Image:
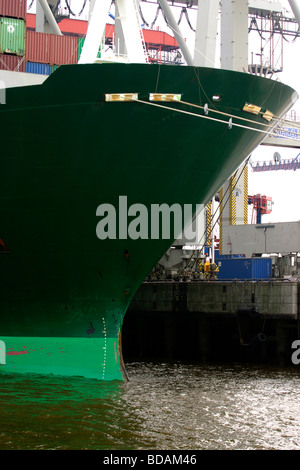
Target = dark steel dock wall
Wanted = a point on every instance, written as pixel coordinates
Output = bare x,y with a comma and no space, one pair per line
213,321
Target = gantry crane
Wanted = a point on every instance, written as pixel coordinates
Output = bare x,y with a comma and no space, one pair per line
276,164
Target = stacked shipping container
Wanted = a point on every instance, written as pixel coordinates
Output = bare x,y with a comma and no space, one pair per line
23,49
51,49
244,268
12,35
35,67
12,63
30,51
38,47
13,8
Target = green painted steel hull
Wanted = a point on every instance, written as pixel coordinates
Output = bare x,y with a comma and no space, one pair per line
64,292
93,357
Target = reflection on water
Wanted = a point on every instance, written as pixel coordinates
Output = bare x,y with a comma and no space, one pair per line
163,406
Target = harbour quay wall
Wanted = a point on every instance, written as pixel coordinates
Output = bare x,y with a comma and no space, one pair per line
253,321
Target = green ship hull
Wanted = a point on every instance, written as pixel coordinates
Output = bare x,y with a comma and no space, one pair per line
65,150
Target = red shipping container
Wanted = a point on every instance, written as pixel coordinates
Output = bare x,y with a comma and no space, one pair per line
63,50
38,47
51,49
12,63
13,8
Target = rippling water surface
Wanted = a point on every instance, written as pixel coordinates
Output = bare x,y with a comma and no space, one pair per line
163,406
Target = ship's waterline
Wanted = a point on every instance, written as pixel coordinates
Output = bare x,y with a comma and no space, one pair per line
94,357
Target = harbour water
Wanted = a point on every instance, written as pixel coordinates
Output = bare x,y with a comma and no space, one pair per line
164,406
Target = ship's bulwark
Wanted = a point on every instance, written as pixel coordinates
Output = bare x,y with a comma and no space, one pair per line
64,292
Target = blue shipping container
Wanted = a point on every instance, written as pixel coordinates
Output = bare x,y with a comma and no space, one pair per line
35,67
245,268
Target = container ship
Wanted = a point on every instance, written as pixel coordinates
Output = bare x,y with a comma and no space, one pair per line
89,135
